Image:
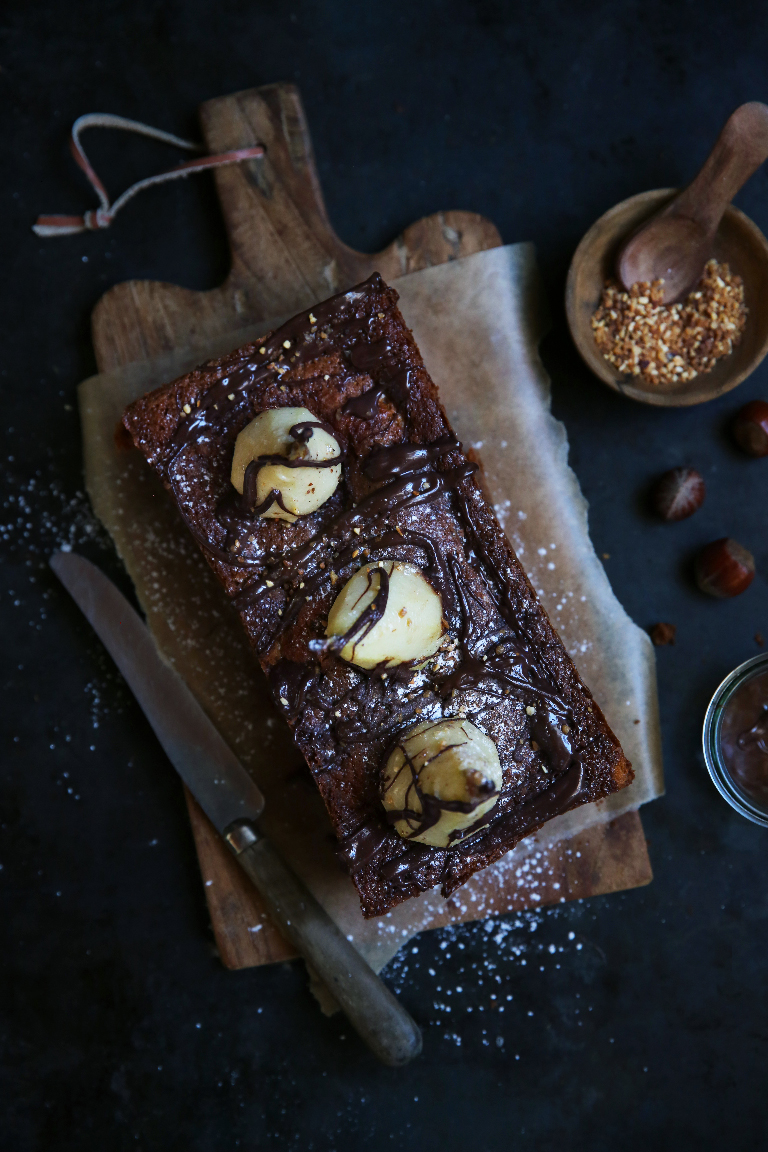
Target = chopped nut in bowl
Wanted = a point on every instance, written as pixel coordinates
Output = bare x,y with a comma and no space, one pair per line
667,344
670,355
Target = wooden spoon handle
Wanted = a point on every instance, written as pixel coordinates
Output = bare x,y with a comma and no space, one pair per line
740,149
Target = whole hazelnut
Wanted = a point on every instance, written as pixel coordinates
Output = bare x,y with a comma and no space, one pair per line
410,628
723,568
300,485
678,493
750,428
439,780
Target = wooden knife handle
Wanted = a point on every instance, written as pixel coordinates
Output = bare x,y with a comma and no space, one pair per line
372,1009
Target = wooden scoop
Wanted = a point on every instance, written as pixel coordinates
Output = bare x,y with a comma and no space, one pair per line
675,245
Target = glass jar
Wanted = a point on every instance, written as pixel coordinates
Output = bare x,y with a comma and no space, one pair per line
747,802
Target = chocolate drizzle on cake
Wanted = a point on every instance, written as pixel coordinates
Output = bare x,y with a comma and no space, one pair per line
365,406
389,506
406,475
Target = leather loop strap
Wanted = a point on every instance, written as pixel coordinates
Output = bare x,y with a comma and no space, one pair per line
103,216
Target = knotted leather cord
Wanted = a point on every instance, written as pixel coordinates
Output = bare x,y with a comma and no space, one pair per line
103,216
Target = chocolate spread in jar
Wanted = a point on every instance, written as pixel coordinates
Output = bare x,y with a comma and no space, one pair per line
744,738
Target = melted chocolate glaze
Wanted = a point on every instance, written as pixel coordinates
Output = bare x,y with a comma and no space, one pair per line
744,737
384,509
367,356
407,474
564,793
365,406
405,459
404,492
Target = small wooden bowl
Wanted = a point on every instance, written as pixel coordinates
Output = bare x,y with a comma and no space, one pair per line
739,243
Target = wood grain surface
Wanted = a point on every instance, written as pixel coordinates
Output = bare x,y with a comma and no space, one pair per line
286,257
738,242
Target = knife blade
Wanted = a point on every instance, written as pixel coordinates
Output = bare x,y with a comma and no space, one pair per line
194,746
233,803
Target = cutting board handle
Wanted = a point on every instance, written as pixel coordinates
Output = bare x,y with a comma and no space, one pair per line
273,207
285,254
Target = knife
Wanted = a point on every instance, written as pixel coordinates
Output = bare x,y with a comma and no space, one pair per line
233,803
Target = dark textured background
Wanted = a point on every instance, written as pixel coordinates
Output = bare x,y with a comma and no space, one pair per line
635,1021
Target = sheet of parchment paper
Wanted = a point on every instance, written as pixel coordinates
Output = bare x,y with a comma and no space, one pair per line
478,322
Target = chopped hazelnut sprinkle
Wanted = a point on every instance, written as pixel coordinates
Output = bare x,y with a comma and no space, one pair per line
671,343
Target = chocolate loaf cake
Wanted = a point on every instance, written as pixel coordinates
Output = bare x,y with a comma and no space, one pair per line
436,707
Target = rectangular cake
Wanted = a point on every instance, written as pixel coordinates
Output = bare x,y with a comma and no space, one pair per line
433,701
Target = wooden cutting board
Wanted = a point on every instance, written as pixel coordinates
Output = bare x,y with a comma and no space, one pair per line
286,257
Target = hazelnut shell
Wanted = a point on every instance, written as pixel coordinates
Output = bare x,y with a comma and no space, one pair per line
663,634
678,493
724,568
750,428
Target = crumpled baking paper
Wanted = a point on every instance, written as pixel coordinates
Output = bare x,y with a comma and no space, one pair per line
478,322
